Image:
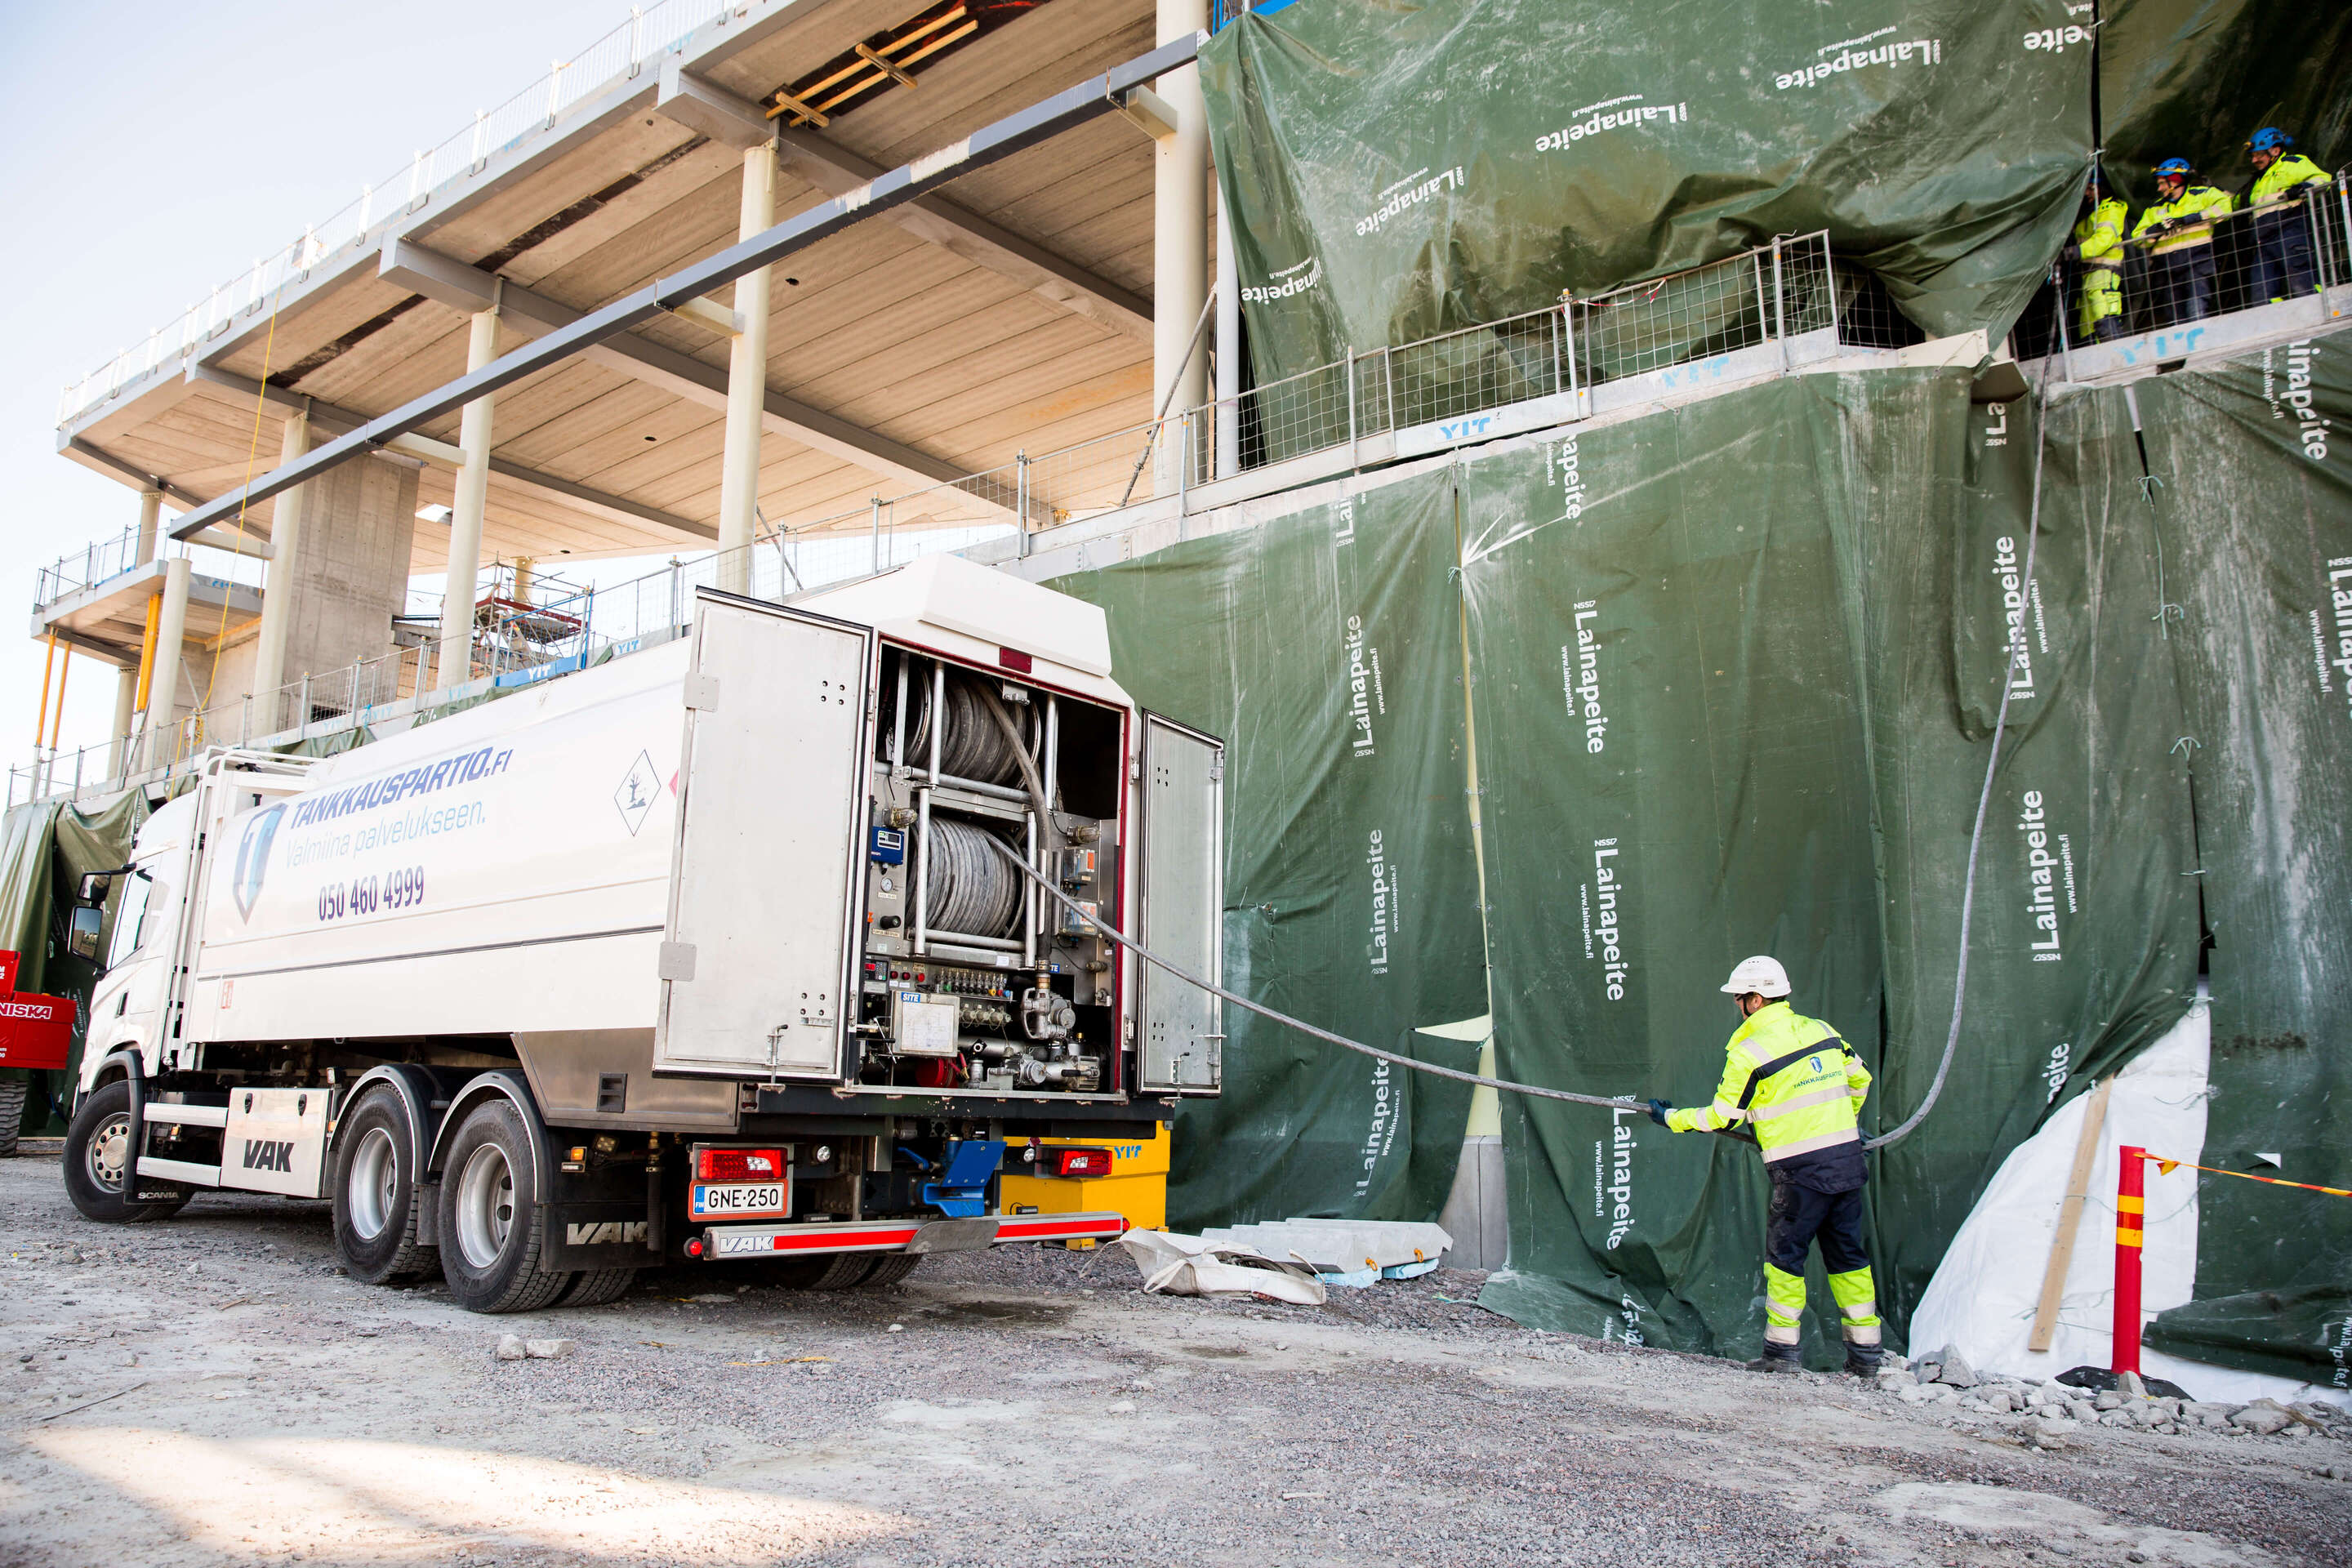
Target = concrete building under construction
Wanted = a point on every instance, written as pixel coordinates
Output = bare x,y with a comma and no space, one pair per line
1623,515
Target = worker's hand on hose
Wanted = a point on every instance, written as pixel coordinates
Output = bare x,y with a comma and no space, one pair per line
1658,1109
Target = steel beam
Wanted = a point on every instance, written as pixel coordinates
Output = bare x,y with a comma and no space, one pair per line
92,456
328,417
1017,132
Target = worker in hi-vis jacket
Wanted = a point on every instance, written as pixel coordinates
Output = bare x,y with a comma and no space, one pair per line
1792,1079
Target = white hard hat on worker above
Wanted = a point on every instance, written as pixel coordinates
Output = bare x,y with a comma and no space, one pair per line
1760,975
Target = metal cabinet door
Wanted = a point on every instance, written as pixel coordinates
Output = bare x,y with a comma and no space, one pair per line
771,799
1182,913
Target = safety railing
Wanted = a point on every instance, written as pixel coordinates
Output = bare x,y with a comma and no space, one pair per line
2200,269
527,634
87,567
1789,289
627,51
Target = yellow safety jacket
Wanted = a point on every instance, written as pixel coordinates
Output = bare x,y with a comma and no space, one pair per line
2279,181
2195,203
1791,1079
2099,237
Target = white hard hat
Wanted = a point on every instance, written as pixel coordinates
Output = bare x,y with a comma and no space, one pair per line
1762,975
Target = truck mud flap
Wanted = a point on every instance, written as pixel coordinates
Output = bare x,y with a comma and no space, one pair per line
606,1234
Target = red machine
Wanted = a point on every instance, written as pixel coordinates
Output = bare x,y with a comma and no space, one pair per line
35,1031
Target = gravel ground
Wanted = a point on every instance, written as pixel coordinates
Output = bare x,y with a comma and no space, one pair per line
209,1390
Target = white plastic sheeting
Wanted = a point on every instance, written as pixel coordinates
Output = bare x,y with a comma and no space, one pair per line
1984,1294
1173,1264
1341,1245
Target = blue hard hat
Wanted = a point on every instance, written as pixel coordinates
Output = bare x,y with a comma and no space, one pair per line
2270,139
2173,166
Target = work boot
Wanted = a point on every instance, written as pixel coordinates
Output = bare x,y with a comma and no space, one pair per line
1863,1361
1778,1358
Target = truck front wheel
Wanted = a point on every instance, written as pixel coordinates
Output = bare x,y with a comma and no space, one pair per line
98,1153
493,1237
375,1195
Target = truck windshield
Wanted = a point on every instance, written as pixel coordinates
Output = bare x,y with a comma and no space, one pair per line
129,918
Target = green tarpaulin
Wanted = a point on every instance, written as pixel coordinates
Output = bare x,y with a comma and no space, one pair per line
1326,650
2255,502
1397,168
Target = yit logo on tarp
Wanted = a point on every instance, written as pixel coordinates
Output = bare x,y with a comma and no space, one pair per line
253,857
1595,117
1406,192
1296,278
1855,54
268,1155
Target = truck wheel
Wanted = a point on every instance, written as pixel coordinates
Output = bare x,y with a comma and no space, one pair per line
891,1267
595,1287
375,1195
826,1272
492,1231
98,1146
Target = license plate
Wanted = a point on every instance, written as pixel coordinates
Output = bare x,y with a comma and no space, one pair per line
739,1200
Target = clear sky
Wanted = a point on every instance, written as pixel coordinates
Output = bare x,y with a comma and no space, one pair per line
155,150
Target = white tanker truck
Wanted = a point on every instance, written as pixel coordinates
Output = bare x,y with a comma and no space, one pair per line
714,951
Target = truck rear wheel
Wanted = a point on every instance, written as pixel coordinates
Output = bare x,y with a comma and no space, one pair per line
375,1195
595,1287
891,1267
493,1235
98,1150
826,1272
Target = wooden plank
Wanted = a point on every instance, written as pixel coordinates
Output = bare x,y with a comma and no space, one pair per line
2070,1216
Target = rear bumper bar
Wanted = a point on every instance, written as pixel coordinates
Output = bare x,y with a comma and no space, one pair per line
721,1241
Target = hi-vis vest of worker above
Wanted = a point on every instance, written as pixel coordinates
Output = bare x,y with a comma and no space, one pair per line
1792,1078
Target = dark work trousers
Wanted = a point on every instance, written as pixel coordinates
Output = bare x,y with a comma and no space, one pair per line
1800,1215
2182,284
2283,266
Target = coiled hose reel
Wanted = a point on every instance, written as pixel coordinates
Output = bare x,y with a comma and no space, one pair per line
970,889
971,745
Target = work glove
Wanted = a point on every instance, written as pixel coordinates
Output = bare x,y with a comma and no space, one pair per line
1658,1109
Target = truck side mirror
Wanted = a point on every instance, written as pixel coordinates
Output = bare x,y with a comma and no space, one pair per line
81,937
94,888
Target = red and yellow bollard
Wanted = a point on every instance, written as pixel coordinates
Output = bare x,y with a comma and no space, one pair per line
2131,1213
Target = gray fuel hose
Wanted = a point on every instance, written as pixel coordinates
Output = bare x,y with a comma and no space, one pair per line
1621,1102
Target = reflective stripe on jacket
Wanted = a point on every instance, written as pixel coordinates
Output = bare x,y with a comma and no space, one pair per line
1788,1076
2099,238
2279,181
2195,202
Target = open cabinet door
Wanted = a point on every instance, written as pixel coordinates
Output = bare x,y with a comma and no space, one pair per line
771,807
1182,919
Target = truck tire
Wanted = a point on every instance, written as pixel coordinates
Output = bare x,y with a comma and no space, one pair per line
891,1267
826,1272
493,1231
96,1145
374,1196
595,1287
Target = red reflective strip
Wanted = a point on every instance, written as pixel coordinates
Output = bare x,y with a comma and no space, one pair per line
838,1241
1031,1230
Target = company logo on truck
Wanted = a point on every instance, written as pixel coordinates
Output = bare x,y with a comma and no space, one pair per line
253,857
603,1232
268,1155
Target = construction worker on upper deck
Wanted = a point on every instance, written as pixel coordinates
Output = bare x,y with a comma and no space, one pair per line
2176,237
2284,186
1792,1078
2097,250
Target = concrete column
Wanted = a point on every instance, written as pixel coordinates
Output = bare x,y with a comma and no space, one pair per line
454,664
126,679
171,647
277,589
1227,418
1180,240
747,383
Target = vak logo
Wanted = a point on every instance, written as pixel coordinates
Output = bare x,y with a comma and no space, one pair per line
268,1155
1296,278
603,1232
1626,114
253,857
1855,54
